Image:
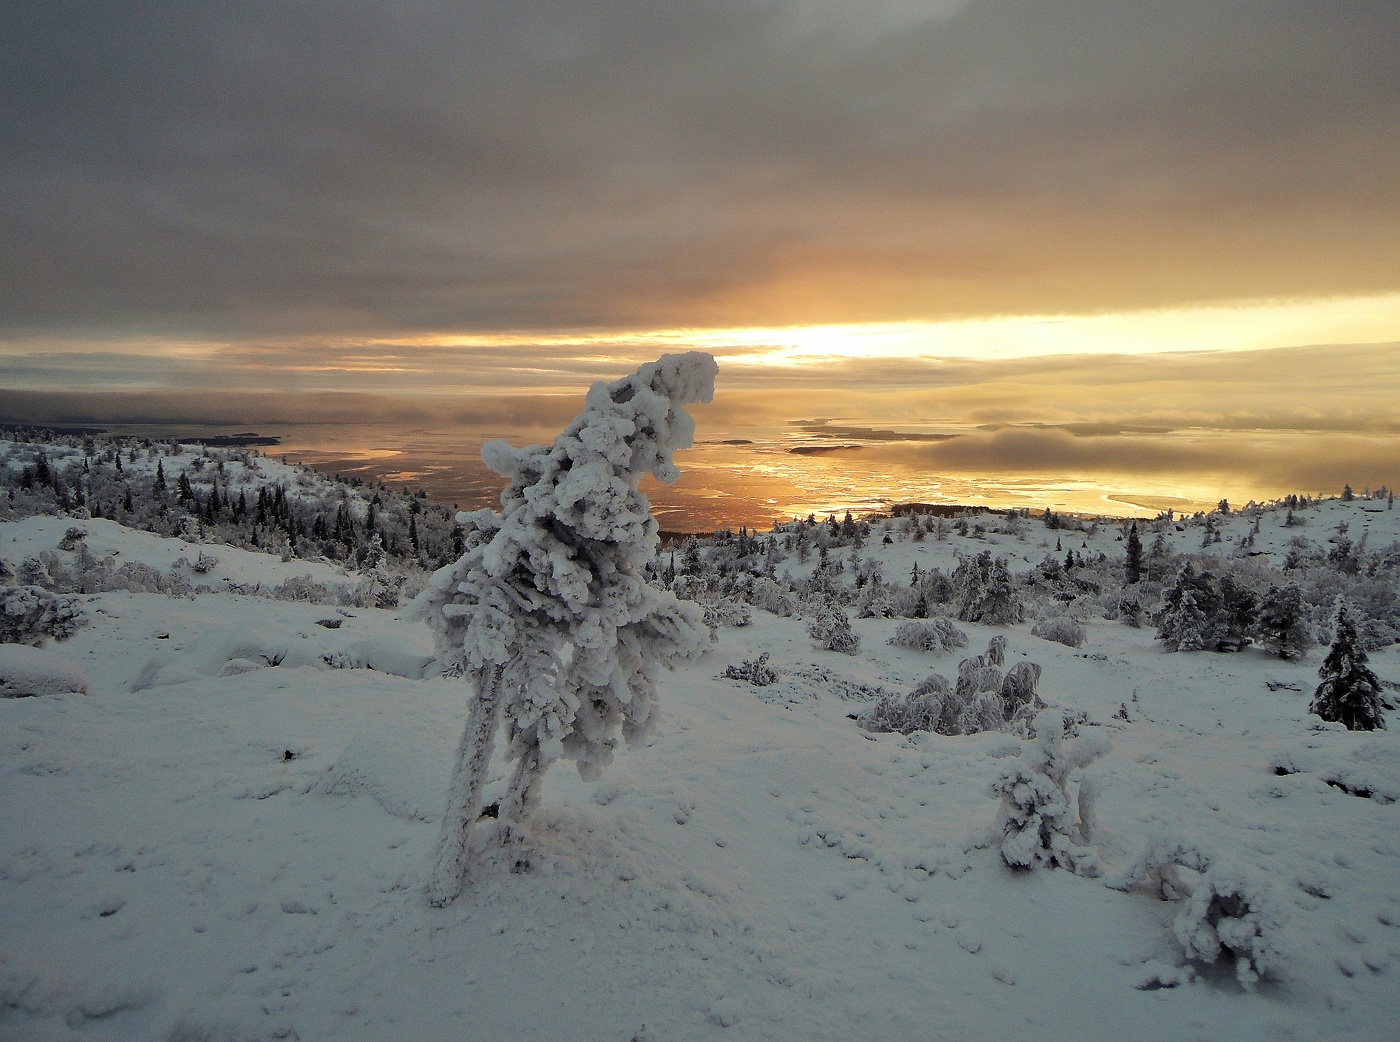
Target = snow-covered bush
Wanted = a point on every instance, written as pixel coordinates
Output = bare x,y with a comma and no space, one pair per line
831,629
548,610
771,597
727,613
984,699
30,614
919,710
1349,693
73,538
1227,909
875,602
937,635
753,671
26,672
1062,629
301,588
1234,913
1047,803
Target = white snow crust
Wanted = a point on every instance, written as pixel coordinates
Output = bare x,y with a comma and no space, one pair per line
228,838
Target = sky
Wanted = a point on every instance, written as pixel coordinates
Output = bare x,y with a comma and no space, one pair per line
954,215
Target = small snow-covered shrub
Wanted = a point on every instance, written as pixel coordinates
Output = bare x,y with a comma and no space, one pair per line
1046,814
771,597
1018,689
301,588
73,538
204,563
727,613
1235,913
1227,909
26,672
919,710
30,614
831,629
984,699
136,577
937,635
1062,629
753,671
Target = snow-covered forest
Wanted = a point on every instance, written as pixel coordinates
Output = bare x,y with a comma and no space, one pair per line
935,775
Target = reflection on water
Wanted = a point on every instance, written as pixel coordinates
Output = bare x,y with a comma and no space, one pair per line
751,476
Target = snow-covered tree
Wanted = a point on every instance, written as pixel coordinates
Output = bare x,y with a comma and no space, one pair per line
548,611
1349,693
832,629
987,593
1047,805
1283,621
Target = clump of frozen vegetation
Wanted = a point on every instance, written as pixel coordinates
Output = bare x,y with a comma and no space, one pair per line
1350,693
1062,629
983,699
549,612
1047,802
727,613
753,671
937,635
31,614
831,629
1234,913
1227,910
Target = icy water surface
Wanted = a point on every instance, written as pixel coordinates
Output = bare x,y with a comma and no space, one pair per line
746,477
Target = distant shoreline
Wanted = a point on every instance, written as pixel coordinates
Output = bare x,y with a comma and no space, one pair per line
217,441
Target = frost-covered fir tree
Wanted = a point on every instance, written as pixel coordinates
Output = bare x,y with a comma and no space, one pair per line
1349,693
548,611
1283,621
987,593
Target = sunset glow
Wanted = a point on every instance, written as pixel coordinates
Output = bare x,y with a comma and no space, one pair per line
1000,253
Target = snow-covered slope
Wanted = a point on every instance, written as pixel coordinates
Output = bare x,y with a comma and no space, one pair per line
228,836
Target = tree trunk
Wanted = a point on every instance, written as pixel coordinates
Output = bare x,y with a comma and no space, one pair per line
522,795
464,795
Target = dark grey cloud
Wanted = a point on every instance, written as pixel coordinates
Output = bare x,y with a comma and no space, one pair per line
280,168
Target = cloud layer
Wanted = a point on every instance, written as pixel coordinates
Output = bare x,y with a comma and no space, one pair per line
266,170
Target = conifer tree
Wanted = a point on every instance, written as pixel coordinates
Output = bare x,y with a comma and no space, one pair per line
1283,621
1349,693
548,611
1133,563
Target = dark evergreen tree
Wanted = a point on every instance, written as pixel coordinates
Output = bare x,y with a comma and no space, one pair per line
1133,563
1283,621
1349,693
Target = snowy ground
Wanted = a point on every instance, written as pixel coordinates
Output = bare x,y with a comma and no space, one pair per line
227,838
